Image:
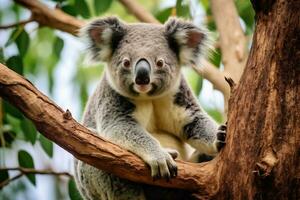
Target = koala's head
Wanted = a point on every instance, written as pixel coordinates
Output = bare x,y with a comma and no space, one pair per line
144,59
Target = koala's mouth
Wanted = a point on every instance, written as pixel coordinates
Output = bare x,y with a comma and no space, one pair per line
142,89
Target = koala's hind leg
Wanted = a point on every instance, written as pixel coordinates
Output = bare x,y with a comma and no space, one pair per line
95,184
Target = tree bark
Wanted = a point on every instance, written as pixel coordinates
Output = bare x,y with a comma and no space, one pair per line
262,156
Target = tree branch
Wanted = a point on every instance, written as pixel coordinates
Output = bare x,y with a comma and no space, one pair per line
59,126
7,181
36,171
20,23
232,38
54,18
232,41
24,171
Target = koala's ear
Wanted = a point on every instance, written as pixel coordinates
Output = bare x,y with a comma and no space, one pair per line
186,40
103,36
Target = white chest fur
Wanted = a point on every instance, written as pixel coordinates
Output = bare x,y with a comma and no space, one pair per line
164,120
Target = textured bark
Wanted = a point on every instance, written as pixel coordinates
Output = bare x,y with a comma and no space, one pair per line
262,156
54,18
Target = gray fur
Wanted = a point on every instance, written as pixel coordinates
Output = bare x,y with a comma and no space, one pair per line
119,108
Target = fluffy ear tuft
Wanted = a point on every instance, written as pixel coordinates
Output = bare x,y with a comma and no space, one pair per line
189,42
103,36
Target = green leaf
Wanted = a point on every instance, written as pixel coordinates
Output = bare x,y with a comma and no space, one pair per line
194,80
215,114
215,57
29,130
163,15
14,123
178,5
247,13
70,9
1,55
9,137
50,71
13,111
59,0
25,160
82,8
47,145
3,175
199,85
22,42
17,11
101,6
211,25
73,192
14,35
182,10
83,94
58,46
205,4
15,63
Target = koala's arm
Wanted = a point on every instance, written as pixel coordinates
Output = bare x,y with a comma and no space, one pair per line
110,114
199,130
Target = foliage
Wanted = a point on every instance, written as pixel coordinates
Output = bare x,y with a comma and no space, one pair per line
38,52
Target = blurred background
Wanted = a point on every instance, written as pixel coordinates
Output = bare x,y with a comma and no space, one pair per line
54,62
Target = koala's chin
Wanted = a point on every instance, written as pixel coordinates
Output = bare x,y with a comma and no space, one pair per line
142,89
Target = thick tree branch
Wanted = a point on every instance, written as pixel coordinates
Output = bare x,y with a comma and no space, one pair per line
59,126
24,171
57,19
54,18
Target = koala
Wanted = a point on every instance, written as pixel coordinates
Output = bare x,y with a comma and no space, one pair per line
144,104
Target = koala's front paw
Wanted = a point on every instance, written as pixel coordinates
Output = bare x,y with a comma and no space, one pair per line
221,137
162,165
174,153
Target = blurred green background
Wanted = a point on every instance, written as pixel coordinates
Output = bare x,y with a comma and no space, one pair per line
54,62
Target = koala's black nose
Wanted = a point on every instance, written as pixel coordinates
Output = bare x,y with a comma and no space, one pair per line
142,72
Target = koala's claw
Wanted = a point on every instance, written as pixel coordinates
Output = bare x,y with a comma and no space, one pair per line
172,152
222,127
221,137
173,169
163,167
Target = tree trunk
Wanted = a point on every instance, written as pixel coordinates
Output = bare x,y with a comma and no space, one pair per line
262,156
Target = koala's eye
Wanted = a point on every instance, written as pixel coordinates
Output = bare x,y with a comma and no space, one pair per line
126,63
160,63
